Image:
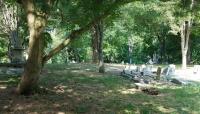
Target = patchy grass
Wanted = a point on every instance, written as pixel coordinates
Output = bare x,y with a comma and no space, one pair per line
78,89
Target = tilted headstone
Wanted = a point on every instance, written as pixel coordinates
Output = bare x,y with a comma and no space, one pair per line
169,71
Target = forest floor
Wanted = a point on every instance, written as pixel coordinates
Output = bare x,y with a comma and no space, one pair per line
79,89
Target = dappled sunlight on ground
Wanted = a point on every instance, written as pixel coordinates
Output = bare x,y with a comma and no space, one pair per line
129,91
87,92
165,109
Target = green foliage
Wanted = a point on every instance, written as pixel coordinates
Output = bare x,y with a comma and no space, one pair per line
3,50
148,27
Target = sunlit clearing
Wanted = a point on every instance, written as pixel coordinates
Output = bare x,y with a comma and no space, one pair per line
3,87
60,113
128,91
165,110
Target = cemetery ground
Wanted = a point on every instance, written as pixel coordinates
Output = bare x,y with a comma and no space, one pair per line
78,88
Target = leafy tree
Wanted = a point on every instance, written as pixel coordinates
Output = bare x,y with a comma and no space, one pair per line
37,13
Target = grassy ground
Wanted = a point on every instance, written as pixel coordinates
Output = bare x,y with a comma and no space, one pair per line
78,89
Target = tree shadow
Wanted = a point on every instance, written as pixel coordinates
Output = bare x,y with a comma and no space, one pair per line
89,92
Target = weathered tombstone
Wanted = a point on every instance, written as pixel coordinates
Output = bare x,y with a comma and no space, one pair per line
158,73
169,71
196,69
132,67
17,55
16,49
138,69
142,67
147,71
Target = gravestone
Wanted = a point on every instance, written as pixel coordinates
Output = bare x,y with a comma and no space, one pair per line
158,73
196,69
147,71
16,49
169,71
17,55
129,68
138,69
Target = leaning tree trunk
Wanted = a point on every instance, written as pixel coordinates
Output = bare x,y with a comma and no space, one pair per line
36,24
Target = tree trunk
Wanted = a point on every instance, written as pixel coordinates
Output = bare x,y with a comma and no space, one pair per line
101,60
95,44
185,35
36,24
184,59
162,48
189,53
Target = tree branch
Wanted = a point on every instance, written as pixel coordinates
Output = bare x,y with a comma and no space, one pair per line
72,36
76,33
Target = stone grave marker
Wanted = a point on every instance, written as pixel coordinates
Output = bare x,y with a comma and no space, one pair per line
147,71
169,71
196,69
158,73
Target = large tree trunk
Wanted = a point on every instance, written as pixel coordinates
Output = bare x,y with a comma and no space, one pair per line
95,44
184,59
185,35
36,24
101,60
162,46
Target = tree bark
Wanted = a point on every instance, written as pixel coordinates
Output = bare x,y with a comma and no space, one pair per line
101,60
36,24
162,46
95,44
189,52
185,35
184,59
